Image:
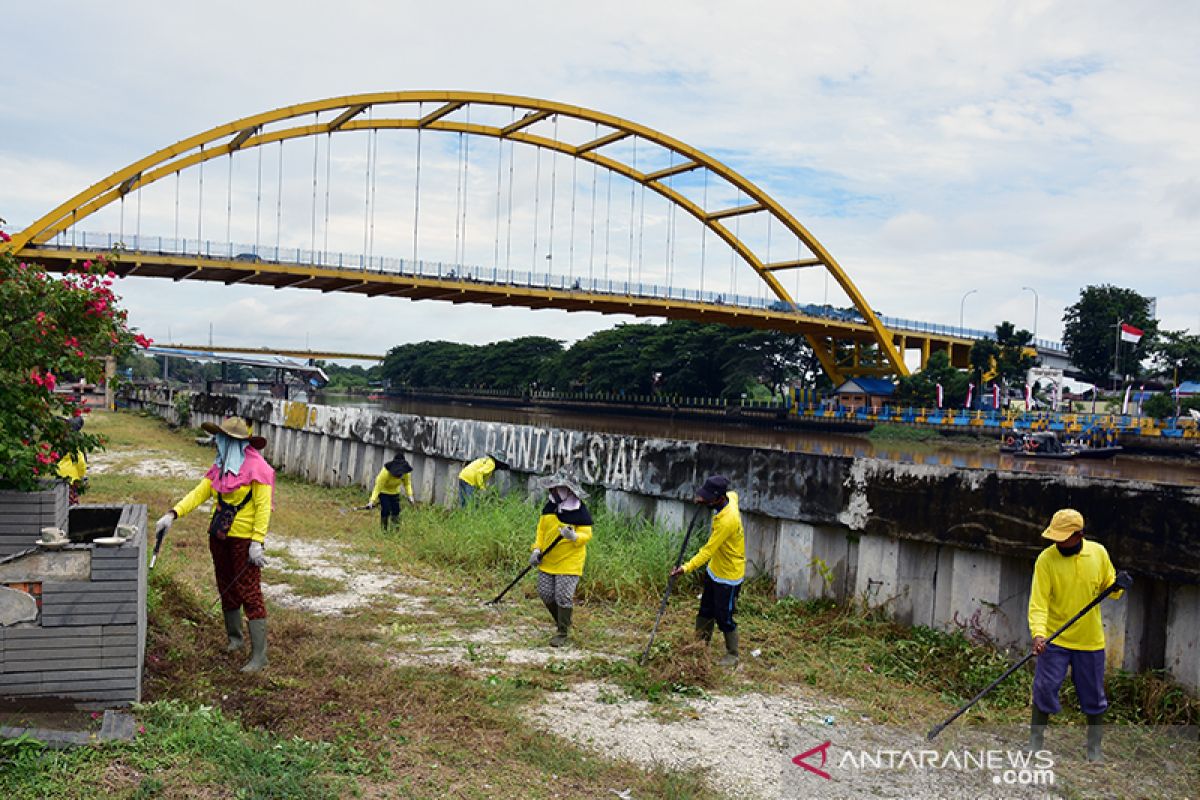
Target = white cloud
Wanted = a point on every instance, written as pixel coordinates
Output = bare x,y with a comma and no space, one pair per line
933,148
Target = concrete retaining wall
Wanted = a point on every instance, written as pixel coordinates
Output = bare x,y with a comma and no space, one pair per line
938,546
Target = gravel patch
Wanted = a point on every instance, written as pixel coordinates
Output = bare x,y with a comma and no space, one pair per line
744,745
358,585
143,464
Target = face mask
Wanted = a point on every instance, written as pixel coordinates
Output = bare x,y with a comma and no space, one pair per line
1070,551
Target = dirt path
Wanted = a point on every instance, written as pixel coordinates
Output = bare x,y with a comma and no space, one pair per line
744,743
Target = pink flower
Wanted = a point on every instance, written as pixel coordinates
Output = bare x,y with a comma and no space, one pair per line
4,237
142,341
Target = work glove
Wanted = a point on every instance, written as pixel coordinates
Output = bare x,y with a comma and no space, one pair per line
411,501
369,506
1124,580
164,523
567,532
535,557
257,557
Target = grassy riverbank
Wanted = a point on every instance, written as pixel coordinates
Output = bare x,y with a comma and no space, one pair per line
408,691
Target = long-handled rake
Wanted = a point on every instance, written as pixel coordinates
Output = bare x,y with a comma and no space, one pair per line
670,585
522,573
1123,581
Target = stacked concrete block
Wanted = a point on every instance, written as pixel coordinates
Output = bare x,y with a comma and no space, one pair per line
87,645
24,514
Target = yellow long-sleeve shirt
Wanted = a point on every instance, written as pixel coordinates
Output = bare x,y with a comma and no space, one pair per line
725,550
1062,585
386,483
250,523
567,557
478,472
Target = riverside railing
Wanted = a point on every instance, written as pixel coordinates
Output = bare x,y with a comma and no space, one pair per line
358,262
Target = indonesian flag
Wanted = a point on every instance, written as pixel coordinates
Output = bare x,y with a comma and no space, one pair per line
970,392
1028,397
995,396
939,395
1130,334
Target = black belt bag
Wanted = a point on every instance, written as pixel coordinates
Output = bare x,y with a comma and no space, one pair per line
223,517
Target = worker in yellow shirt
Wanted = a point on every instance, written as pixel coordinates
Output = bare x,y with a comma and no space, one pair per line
395,474
1066,577
242,485
476,475
73,467
560,568
725,555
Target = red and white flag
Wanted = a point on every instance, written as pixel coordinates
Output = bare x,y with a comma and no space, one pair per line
970,392
1028,397
1125,402
1130,334
995,395
939,395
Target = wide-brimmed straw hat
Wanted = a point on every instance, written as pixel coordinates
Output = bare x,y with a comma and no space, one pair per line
235,428
565,477
1063,525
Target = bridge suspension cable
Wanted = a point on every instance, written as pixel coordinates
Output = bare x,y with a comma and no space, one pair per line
624,149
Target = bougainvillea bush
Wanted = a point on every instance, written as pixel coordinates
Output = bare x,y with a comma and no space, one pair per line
52,329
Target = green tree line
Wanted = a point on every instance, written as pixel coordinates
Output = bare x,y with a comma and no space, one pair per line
678,357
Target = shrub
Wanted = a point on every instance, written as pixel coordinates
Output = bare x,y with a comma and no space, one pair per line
51,329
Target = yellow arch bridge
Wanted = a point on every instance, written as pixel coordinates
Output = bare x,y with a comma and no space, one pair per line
847,343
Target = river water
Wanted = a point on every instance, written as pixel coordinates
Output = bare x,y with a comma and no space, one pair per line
952,452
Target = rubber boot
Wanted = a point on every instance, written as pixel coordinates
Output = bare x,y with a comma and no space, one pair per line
553,609
564,627
233,627
730,659
258,645
1038,721
1095,732
704,628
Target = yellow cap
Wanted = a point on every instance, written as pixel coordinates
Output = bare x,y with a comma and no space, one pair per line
1063,525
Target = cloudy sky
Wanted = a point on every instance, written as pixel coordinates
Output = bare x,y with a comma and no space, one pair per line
947,154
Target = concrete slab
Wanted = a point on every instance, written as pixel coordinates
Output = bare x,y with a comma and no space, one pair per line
1183,636
62,565
672,515
793,560
761,534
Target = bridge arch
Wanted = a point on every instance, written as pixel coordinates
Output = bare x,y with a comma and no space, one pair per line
347,115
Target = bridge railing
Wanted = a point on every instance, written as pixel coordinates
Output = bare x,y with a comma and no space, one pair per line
496,276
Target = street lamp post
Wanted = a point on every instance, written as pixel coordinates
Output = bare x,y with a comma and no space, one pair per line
1035,308
962,306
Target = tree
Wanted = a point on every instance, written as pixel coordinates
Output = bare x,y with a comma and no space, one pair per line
920,388
51,330
1005,359
1177,356
1090,331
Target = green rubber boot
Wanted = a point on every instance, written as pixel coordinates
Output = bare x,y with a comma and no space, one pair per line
704,628
553,609
564,627
1095,732
1037,729
233,627
258,645
730,659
